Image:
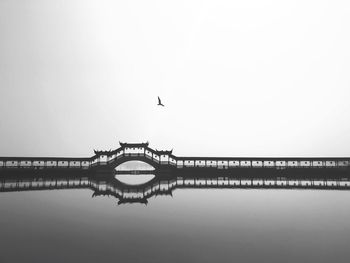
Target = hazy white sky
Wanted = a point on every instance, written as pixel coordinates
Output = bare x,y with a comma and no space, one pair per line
237,77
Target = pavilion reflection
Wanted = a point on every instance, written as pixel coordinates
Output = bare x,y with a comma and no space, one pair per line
161,184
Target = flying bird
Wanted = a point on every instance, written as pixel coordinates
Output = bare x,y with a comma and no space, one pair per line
159,102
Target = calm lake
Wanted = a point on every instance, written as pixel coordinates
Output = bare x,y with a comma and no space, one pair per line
190,225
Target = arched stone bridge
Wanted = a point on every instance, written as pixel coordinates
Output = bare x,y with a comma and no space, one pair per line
165,159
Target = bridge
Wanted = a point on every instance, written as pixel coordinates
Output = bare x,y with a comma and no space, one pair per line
166,159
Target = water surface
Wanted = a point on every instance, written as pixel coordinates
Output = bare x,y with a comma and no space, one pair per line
192,225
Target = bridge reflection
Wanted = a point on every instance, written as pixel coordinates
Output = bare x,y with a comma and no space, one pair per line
164,184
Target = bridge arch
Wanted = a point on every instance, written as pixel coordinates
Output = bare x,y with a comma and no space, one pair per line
135,165
124,159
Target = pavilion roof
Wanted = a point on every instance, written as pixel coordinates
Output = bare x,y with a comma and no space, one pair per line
164,152
133,145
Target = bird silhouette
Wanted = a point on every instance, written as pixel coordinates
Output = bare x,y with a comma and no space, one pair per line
159,102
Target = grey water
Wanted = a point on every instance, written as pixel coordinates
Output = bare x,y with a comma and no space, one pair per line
192,225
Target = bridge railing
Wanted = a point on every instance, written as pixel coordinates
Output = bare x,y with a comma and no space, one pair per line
268,164
41,164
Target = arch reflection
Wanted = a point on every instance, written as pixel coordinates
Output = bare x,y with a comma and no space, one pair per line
134,179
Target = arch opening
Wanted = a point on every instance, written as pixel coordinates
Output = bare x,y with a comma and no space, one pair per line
134,172
134,166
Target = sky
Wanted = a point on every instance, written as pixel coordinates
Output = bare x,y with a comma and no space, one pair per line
238,78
